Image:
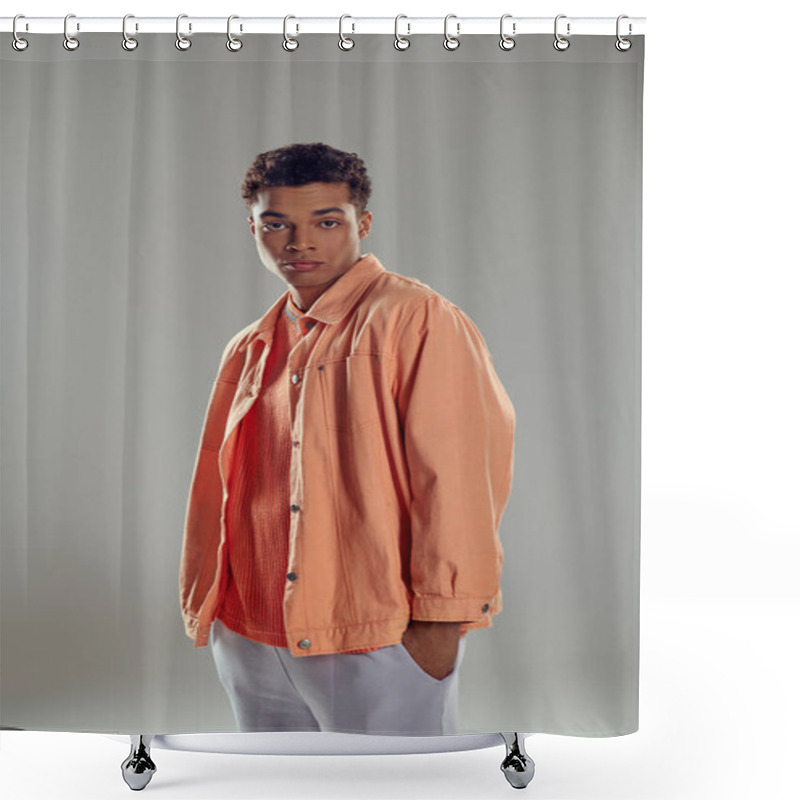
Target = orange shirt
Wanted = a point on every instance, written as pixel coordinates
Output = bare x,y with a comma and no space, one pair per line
399,471
258,506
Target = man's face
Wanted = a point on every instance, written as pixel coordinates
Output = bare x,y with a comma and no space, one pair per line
309,236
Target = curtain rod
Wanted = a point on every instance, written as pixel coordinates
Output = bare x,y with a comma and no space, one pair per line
457,26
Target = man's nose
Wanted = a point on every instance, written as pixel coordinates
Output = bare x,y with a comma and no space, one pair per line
300,239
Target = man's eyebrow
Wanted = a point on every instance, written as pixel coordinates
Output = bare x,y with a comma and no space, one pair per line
316,213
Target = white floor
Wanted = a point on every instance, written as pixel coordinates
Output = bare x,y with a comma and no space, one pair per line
719,704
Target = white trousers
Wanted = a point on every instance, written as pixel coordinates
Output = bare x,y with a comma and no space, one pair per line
381,692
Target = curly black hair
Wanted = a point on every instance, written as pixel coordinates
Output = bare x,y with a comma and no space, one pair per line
298,164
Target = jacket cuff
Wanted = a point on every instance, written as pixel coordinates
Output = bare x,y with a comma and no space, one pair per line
434,608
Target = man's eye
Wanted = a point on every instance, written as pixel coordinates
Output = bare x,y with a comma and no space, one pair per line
268,225
333,222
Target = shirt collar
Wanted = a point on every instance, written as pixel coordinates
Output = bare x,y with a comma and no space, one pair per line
292,311
330,307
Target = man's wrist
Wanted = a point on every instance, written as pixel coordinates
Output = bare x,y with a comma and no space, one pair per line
435,627
432,623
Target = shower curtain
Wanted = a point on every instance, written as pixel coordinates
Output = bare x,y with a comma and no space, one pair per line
506,193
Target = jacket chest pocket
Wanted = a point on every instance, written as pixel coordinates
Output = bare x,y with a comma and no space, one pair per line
351,390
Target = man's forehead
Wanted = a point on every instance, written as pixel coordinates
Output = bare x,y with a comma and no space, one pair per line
309,194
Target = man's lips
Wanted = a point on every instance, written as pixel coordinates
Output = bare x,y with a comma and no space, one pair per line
302,265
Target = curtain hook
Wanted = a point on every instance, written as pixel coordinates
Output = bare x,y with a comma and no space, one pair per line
400,42
233,44
507,42
181,42
289,42
70,42
561,43
18,43
128,42
621,44
344,42
451,42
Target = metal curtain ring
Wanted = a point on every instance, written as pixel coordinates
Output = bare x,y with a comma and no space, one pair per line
623,45
233,44
451,42
181,42
561,43
506,41
401,43
290,43
18,43
344,42
128,42
70,42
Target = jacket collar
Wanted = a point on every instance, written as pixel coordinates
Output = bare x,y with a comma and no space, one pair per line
330,307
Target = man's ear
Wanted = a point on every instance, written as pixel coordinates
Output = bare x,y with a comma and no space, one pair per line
365,224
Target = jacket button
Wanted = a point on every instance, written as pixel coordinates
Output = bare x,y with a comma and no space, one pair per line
296,443
292,576
293,507
304,644
485,607
295,378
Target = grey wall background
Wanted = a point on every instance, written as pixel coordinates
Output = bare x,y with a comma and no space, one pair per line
510,182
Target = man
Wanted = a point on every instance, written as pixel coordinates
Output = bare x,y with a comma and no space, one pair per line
341,532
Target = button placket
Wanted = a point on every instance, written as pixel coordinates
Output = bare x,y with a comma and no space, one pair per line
296,367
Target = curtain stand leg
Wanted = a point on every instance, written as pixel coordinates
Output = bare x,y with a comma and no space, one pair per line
138,768
517,766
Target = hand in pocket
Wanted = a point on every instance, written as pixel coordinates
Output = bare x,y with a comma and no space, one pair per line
433,646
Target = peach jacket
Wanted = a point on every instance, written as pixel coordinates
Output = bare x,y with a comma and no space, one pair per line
400,471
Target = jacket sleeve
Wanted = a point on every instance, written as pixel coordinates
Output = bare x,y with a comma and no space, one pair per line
458,432
201,531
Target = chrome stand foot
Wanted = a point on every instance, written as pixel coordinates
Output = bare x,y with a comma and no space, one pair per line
517,766
138,768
